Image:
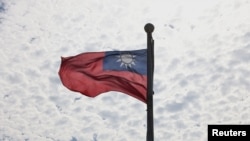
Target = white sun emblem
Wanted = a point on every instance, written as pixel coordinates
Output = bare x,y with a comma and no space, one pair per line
126,60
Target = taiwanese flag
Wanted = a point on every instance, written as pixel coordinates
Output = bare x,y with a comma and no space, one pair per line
94,73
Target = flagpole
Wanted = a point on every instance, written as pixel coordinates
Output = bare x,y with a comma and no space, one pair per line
149,28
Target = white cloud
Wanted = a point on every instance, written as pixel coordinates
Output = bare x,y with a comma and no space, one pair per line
201,68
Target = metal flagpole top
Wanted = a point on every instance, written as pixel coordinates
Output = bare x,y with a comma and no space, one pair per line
149,28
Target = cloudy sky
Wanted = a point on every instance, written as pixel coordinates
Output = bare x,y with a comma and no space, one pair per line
202,68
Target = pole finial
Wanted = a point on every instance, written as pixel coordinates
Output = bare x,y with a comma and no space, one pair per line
149,28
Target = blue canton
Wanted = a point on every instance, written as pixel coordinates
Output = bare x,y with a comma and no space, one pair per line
133,61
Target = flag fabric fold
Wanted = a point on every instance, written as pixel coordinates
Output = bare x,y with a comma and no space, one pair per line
94,73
